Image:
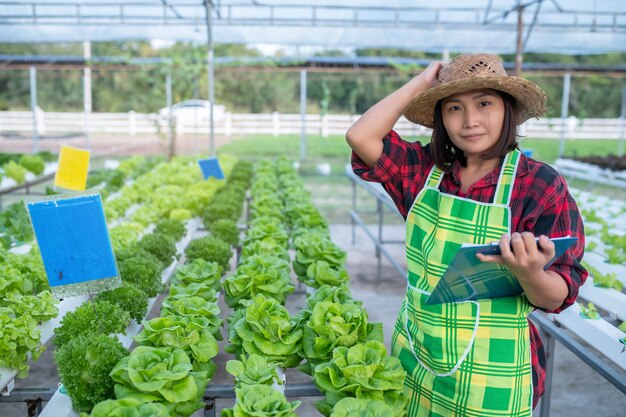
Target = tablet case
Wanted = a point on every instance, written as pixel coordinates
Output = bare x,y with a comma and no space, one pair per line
467,278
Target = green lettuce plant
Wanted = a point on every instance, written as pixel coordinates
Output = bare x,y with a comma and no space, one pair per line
264,247
143,273
265,275
266,328
160,245
263,229
219,211
173,228
202,290
210,249
252,370
130,298
363,371
180,214
128,407
19,338
260,400
199,271
90,318
161,375
589,312
608,280
305,216
41,307
33,163
353,407
15,171
84,365
313,247
321,273
226,230
333,325
194,306
190,334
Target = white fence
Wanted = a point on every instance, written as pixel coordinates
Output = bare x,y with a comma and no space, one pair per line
276,124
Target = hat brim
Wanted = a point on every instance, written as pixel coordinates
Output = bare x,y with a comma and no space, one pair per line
531,99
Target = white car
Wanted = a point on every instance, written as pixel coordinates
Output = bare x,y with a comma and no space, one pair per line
191,112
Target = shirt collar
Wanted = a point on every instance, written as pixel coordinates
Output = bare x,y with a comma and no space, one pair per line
491,178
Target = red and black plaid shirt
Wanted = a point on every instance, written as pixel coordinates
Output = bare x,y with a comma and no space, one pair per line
540,204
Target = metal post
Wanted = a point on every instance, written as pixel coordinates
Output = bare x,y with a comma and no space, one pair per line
567,78
87,92
544,409
518,49
208,6
33,107
622,127
170,118
303,114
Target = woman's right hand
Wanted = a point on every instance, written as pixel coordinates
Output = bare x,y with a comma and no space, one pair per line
365,137
428,77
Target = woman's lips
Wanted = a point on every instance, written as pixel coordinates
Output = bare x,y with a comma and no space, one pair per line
472,138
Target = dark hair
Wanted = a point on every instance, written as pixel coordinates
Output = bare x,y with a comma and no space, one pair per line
445,152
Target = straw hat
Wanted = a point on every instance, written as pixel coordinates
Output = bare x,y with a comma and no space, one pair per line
473,72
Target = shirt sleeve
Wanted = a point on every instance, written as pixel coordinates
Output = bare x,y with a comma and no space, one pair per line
395,170
559,216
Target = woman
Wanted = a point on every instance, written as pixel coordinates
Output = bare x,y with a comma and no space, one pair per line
471,184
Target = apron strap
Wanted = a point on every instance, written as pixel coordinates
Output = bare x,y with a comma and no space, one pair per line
504,189
434,177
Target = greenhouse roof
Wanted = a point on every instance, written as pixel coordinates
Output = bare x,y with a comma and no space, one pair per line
559,26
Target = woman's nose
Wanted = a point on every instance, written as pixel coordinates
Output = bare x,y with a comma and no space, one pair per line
470,117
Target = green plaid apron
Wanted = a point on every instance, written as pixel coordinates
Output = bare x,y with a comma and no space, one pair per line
468,358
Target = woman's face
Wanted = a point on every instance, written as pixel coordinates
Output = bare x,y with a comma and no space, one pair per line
473,120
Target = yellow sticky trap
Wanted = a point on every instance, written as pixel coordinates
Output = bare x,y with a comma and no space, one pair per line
73,167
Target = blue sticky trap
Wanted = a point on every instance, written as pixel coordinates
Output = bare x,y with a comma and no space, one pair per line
211,168
74,242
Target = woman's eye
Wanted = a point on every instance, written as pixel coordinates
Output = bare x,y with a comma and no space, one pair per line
485,103
455,108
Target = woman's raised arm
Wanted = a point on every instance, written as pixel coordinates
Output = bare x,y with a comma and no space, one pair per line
366,135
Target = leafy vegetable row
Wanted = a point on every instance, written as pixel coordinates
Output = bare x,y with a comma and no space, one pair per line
172,366
263,334
15,166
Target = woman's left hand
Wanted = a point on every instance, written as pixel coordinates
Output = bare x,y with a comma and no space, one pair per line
526,259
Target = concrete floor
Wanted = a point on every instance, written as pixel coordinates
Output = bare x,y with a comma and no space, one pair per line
578,391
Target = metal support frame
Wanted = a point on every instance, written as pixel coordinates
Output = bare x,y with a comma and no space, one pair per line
26,187
170,118
567,79
87,101
622,125
33,397
33,107
208,8
551,333
378,240
312,14
303,114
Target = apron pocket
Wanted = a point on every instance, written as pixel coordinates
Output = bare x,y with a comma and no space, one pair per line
440,335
